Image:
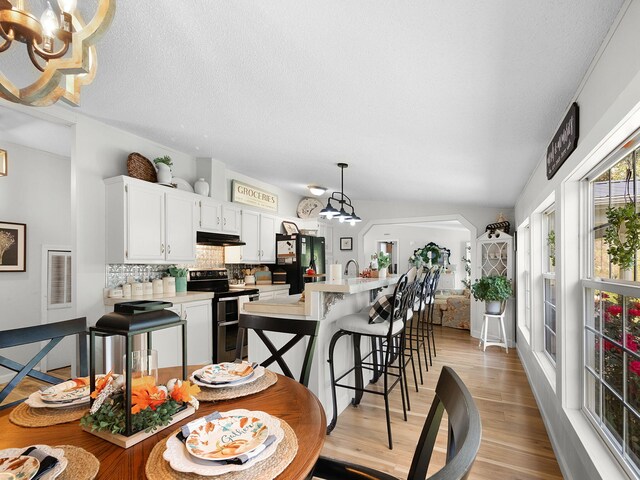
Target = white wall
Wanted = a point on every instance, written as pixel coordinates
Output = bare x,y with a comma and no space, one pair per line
36,192
412,237
609,102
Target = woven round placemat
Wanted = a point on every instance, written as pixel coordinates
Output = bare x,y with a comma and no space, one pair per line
25,416
158,468
214,394
82,465
140,167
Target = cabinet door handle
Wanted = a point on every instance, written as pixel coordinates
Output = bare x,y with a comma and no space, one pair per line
168,248
162,248
186,315
218,220
224,221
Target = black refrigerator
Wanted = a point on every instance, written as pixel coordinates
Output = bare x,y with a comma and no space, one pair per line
295,254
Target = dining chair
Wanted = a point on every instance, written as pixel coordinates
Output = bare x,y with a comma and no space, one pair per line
54,333
464,437
300,329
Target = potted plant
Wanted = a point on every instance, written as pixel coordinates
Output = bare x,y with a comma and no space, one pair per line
164,164
623,236
384,260
492,290
181,278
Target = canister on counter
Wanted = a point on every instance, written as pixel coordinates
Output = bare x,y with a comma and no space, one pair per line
126,290
137,289
169,286
147,288
158,288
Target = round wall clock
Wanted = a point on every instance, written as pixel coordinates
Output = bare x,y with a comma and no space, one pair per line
309,207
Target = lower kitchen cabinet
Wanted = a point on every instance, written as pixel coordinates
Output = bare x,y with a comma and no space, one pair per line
199,336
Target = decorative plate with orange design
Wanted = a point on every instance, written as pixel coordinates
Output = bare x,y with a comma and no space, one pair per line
227,437
22,467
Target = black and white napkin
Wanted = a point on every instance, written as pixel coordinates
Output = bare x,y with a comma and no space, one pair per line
47,462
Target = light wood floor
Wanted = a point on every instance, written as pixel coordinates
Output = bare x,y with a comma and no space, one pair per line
515,444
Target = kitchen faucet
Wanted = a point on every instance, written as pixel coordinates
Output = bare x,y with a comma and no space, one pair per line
346,268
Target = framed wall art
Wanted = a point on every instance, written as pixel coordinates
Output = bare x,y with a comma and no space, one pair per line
13,247
290,227
346,243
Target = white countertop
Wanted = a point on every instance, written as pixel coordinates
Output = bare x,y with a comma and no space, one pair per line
281,305
352,284
177,298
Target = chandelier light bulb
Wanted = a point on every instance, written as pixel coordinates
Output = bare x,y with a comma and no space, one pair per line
49,21
352,222
68,6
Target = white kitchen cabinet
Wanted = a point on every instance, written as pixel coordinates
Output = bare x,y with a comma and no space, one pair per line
280,293
259,236
199,333
168,342
218,217
148,223
266,296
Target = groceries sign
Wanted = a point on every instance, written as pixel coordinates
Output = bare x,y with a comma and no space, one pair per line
243,193
564,142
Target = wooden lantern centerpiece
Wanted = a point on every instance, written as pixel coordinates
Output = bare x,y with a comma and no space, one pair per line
115,393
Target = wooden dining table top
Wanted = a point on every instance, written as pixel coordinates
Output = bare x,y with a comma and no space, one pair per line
287,400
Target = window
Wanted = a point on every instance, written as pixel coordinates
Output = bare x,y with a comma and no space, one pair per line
611,397
549,282
59,279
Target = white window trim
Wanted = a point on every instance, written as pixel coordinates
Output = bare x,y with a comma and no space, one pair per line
524,260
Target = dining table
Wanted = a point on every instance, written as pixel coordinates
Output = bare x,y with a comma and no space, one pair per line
286,399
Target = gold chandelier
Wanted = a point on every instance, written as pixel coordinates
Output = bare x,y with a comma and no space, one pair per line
60,45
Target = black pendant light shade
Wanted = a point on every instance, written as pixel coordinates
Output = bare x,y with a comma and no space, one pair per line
342,215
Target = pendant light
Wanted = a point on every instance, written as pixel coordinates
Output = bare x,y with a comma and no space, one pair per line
342,215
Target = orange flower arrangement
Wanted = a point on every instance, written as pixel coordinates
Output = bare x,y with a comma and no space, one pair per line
184,392
146,394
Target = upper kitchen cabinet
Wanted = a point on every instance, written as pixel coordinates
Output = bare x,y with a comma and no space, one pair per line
148,223
259,236
216,216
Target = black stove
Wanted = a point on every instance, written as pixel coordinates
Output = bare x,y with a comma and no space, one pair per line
226,306
216,280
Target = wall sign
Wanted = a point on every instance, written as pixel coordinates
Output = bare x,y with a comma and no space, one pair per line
564,142
243,193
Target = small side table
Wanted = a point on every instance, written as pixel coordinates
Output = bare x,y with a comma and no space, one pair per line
502,339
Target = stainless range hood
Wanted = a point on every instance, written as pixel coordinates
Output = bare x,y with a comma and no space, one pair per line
218,239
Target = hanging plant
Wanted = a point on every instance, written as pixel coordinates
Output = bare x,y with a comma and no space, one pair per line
623,234
551,244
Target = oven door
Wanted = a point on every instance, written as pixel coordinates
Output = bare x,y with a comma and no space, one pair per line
225,330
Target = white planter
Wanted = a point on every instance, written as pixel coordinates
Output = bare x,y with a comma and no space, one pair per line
164,173
382,273
492,307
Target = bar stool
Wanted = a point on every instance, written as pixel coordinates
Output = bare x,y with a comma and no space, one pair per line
389,334
502,334
435,277
418,333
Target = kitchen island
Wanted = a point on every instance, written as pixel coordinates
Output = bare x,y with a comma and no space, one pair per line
326,302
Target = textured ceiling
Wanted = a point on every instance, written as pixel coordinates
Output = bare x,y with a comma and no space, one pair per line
428,101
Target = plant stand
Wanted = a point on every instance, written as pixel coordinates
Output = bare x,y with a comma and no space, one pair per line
126,442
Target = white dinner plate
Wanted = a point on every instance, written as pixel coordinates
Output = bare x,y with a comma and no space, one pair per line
257,373
54,452
180,460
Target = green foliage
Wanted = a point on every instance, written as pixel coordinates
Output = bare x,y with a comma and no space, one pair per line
178,272
384,260
110,416
420,255
495,288
166,160
551,243
623,234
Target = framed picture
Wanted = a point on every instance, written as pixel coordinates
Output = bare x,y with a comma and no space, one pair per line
346,243
290,227
13,247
